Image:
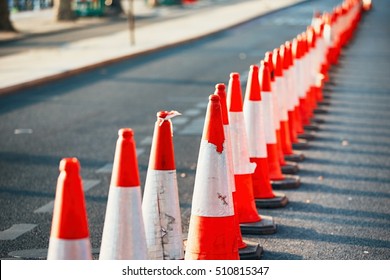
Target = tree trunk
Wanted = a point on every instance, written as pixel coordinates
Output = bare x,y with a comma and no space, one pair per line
5,21
63,10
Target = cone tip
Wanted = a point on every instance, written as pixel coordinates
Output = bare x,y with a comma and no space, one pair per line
126,133
254,68
162,114
214,98
69,164
220,87
234,75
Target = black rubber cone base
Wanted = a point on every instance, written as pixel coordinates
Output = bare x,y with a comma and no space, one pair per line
290,168
252,251
290,182
265,226
280,200
295,157
312,127
301,145
307,135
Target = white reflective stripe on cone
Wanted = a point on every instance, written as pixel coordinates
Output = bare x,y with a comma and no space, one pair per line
123,232
290,94
295,86
69,249
229,157
254,123
215,200
161,215
300,78
305,72
267,106
282,98
328,36
239,140
276,90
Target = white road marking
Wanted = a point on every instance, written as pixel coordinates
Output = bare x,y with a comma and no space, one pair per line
195,127
23,131
48,207
15,231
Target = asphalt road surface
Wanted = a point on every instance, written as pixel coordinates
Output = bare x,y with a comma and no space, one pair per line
342,209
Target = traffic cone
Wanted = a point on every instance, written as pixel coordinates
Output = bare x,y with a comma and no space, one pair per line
277,96
123,231
254,123
278,180
318,25
314,41
160,204
250,221
212,234
247,250
288,132
294,113
280,84
69,237
301,84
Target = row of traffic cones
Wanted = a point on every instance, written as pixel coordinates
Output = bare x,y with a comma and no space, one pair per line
248,150
262,132
134,228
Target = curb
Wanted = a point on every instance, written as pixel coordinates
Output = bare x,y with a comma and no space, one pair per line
69,73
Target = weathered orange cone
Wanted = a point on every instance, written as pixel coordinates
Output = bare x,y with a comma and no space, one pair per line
248,250
123,232
250,221
160,204
254,122
212,234
69,237
278,180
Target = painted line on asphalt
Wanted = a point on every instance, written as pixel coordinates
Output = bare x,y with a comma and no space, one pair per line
48,207
15,231
107,168
195,127
147,140
191,112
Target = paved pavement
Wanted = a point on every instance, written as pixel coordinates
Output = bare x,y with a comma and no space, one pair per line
197,20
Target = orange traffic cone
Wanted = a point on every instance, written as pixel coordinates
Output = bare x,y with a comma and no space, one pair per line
282,132
278,180
298,50
278,107
292,113
69,237
248,250
160,204
212,234
254,122
123,231
288,132
250,221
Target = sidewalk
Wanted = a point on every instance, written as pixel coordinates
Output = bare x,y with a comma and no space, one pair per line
34,67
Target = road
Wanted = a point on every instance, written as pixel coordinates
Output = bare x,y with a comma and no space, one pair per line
340,212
